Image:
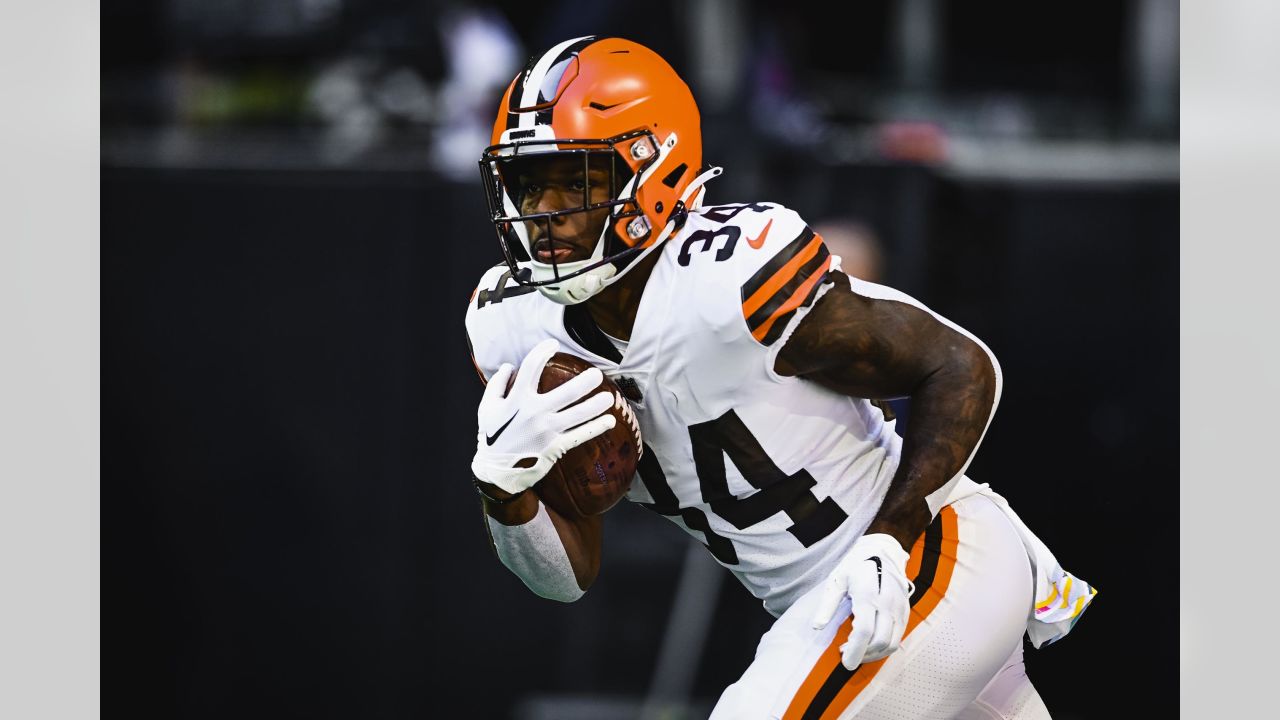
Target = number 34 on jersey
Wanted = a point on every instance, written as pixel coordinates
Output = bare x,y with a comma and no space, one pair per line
771,473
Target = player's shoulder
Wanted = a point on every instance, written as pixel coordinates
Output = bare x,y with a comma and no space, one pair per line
742,244
504,319
750,265
498,305
753,225
496,286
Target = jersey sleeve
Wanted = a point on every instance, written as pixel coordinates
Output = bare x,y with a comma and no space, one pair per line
774,268
781,275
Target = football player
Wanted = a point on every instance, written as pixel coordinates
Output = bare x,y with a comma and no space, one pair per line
756,368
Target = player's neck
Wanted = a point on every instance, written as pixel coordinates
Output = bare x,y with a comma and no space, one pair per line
614,309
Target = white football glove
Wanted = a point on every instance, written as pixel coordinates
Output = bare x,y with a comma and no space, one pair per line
873,576
527,424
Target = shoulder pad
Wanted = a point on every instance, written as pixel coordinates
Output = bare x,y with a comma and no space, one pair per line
773,263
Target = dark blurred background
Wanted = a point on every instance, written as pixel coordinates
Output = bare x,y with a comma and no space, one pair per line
292,224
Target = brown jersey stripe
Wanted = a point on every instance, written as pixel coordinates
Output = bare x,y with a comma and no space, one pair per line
772,328
751,296
766,291
829,688
783,285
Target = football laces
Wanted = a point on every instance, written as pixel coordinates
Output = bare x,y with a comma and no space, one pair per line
629,415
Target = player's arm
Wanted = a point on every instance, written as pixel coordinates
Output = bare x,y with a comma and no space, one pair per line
871,342
581,537
522,433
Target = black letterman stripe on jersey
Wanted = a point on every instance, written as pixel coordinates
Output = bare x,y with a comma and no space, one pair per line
775,263
544,116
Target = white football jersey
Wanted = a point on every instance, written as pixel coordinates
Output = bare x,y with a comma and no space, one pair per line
777,476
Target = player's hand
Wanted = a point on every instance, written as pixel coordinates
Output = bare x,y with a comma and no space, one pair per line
526,427
873,576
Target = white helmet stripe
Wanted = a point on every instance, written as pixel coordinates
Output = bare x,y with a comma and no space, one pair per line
534,78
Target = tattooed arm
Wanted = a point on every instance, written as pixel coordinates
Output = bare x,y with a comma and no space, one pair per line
875,348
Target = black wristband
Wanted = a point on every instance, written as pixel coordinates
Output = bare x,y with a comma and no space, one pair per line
492,499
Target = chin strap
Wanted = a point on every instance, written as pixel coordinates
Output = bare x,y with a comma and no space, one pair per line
696,186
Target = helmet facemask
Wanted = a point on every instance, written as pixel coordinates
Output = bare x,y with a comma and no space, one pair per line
553,266
601,98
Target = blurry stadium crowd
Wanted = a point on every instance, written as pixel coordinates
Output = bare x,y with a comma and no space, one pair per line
408,85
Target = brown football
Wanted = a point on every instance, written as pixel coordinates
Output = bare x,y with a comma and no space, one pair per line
594,476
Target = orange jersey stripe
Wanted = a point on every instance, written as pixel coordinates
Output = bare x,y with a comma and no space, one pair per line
781,278
794,301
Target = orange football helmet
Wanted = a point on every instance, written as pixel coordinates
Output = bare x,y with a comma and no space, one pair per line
589,97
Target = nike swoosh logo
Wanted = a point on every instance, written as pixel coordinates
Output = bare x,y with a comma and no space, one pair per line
879,570
489,439
623,104
755,244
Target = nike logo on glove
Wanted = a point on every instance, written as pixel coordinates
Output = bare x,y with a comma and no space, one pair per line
490,439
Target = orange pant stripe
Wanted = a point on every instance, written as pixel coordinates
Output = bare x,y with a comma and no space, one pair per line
931,564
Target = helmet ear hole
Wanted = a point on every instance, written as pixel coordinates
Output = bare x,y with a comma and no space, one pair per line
673,178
